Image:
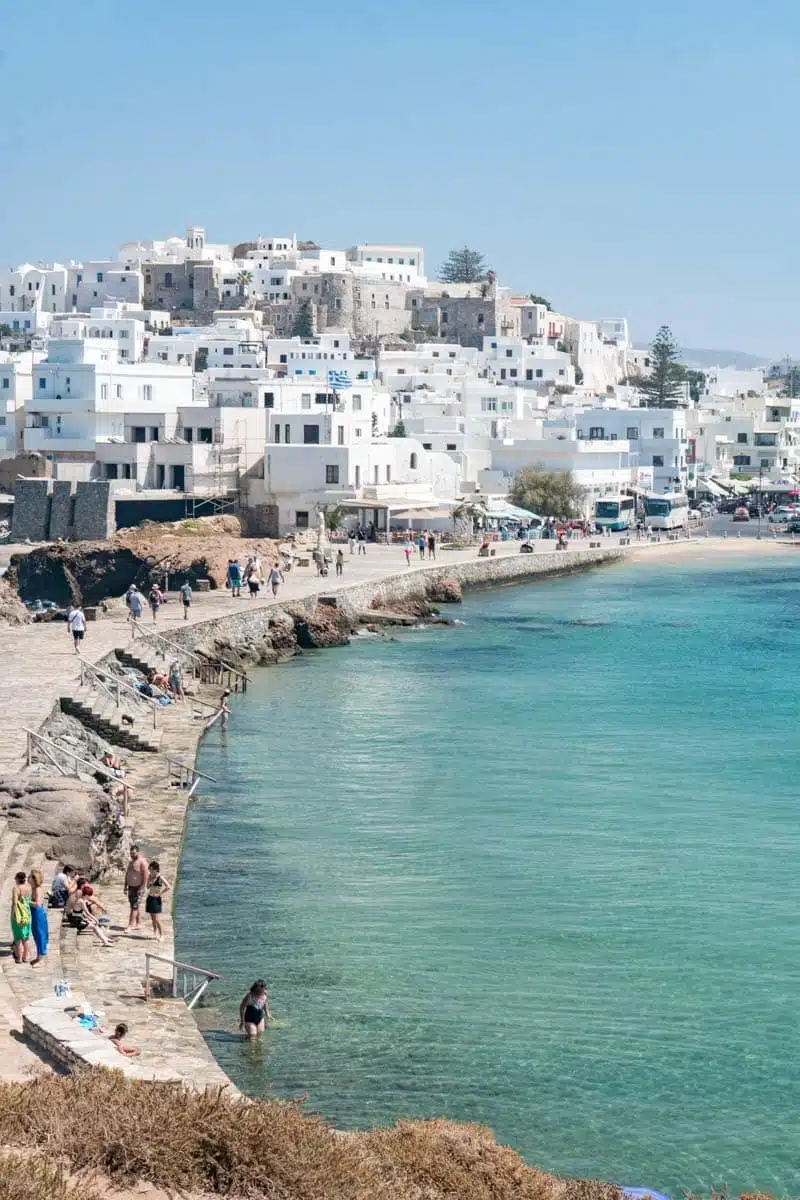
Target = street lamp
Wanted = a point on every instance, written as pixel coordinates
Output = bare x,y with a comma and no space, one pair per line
760,473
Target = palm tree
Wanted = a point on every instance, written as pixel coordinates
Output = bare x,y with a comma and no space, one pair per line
244,279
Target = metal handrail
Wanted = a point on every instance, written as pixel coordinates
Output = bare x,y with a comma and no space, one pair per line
191,994
239,677
186,769
48,746
102,678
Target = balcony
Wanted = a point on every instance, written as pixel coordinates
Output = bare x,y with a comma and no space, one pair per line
49,441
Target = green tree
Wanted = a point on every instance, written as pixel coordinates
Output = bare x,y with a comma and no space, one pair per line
334,516
534,299
244,279
664,386
463,266
547,493
398,431
697,381
579,375
304,322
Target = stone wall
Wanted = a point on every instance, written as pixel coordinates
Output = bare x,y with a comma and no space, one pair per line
31,520
395,589
61,509
94,511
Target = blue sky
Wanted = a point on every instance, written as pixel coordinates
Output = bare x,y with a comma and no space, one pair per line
622,158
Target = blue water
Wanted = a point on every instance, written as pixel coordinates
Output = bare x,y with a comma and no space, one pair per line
540,871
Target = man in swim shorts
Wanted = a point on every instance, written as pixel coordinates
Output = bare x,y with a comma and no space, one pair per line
135,881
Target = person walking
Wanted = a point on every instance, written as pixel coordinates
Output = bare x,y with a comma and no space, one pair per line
135,602
155,599
157,885
408,550
275,578
20,917
361,538
351,540
186,598
339,561
134,885
252,575
432,546
235,577
254,1010
76,623
421,545
39,927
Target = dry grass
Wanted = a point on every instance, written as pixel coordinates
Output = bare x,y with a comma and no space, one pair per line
138,1134
34,1179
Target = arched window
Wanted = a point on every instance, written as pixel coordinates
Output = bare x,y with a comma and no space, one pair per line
168,279
412,462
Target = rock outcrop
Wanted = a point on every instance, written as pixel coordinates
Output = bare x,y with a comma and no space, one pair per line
69,820
12,610
445,591
90,572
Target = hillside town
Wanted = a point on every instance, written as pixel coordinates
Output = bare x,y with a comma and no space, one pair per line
281,380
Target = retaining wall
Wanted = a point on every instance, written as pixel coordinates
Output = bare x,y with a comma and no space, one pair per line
410,584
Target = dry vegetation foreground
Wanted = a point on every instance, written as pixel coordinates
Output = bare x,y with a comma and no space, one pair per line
98,1136
135,1134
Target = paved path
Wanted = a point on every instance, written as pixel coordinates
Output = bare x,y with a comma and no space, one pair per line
40,664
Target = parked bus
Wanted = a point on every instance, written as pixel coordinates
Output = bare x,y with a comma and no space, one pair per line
669,511
615,512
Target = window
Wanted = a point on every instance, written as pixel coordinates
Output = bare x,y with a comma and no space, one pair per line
513,372
561,371
356,403
153,433
489,404
111,471
6,383
539,373
161,475
305,400
188,434
502,372
427,445
481,318
741,438
376,475
632,433
659,432
529,373
52,289
139,433
451,446
331,473
227,350
147,392
741,460
168,279
287,433
596,433
765,462
103,391
766,439
412,462
311,435
282,358
658,460
340,435
12,291
205,434
509,353
269,399
277,435
445,318
301,519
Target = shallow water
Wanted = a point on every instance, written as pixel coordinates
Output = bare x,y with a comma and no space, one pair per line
539,871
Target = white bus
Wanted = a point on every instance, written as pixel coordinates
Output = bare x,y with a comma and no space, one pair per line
668,511
615,512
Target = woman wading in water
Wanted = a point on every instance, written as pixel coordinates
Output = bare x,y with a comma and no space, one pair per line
254,1010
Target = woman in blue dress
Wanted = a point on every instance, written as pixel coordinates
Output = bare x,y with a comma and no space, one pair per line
39,928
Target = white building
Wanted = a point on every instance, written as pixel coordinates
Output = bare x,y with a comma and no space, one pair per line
15,392
83,394
29,288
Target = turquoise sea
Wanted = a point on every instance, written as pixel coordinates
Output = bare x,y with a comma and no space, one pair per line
540,870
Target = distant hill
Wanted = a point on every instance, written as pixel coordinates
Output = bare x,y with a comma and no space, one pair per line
703,359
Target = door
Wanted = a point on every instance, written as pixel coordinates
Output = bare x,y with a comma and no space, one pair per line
179,478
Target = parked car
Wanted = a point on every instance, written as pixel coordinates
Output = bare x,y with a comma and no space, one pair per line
741,514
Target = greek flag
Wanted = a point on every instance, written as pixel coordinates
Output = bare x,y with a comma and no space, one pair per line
338,381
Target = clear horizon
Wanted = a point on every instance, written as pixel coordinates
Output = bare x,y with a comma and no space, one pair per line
624,163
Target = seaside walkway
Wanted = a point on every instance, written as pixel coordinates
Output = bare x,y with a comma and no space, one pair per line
41,666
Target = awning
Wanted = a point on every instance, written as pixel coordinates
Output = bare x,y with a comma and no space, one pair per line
501,510
420,514
711,487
